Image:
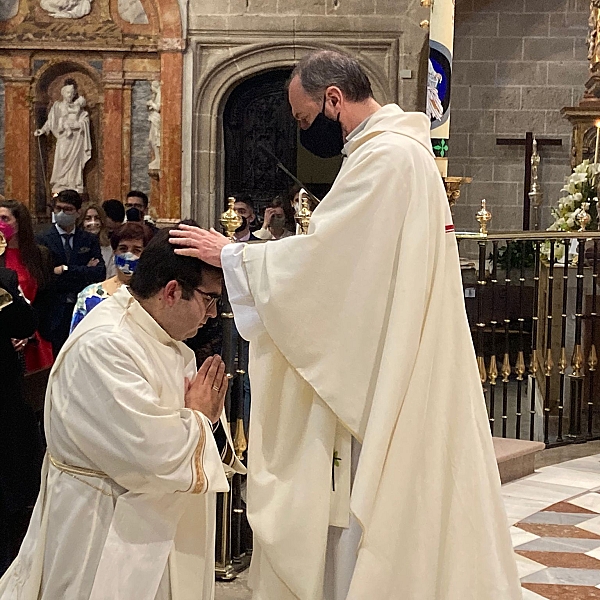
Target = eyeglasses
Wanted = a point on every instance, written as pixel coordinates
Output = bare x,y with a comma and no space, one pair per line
209,299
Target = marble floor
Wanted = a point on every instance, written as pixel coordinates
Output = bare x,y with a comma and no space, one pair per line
554,519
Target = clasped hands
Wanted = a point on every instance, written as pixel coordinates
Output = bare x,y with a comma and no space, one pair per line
206,393
203,244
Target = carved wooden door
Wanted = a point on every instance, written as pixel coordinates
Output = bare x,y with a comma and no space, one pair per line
257,114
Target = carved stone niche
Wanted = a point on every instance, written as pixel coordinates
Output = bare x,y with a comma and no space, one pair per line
583,118
47,84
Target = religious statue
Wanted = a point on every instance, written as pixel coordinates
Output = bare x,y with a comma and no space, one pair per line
70,124
434,110
155,119
67,9
133,12
593,40
8,9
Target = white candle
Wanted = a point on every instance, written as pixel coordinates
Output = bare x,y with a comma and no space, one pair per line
597,142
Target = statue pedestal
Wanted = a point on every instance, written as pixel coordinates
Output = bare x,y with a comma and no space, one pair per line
583,118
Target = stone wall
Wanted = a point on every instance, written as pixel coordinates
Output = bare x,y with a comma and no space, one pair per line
516,64
140,129
1,136
232,40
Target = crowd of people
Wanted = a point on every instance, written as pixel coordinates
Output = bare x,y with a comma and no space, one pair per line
90,251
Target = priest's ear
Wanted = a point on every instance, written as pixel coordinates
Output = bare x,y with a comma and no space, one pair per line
171,293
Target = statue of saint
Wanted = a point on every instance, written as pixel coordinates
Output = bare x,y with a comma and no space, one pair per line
67,9
593,39
154,118
70,125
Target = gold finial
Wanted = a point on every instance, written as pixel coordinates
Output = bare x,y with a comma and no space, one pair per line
3,244
520,366
303,216
493,371
593,359
533,366
483,217
577,361
562,362
240,444
506,368
548,364
230,220
482,372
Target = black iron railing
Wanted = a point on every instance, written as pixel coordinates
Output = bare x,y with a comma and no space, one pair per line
531,299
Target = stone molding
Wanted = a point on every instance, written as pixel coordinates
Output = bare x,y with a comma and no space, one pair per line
220,63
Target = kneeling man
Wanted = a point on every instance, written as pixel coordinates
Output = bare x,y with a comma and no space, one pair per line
127,505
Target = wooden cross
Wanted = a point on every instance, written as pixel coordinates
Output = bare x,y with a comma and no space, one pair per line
528,143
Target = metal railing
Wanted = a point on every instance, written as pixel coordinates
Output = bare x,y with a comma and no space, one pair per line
535,328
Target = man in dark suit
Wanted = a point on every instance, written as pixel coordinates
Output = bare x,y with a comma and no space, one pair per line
20,442
77,261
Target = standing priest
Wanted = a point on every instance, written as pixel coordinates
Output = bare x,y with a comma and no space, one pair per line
363,370
127,504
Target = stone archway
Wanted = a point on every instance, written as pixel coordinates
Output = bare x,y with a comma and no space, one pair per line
223,72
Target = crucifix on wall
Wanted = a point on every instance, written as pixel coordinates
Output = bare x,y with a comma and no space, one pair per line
528,143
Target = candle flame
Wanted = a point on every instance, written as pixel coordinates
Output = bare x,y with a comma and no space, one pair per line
598,124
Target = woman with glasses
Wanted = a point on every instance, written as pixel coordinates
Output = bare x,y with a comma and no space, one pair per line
128,243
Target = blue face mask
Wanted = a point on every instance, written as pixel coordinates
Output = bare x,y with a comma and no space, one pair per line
126,263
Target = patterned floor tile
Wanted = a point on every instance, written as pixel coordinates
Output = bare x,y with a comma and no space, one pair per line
540,490
578,546
571,477
558,518
589,501
566,507
564,592
520,537
561,576
529,595
526,566
557,531
569,560
592,525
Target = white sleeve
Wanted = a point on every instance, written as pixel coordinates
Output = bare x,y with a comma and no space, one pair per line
247,321
263,234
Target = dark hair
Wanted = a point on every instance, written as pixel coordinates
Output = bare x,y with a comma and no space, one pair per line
132,230
278,202
188,222
247,200
68,197
31,255
159,264
323,68
138,194
114,210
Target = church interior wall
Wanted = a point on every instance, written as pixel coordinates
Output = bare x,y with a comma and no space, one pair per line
231,40
140,130
2,146
516,64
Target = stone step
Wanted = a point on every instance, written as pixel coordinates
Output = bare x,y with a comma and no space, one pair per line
515,458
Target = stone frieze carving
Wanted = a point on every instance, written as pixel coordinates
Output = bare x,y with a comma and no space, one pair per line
67,9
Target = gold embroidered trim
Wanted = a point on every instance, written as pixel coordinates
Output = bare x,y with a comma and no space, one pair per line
197,469
77,472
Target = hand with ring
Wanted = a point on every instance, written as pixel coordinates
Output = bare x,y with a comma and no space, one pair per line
206,393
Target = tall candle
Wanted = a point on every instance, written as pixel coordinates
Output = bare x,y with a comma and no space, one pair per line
597,142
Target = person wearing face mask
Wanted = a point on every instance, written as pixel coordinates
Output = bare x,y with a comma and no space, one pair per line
274,224
93,219
77,261
368,417
127,243
33,266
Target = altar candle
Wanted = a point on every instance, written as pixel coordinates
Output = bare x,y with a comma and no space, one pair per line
597,142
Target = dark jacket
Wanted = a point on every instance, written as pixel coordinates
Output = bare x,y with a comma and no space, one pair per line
78,275
20,445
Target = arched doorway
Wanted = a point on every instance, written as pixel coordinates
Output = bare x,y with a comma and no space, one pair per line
257,117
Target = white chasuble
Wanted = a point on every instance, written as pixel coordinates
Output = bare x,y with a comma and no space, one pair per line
127,504
360,327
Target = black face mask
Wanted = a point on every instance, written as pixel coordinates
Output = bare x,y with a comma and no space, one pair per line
324,138
133,214
243,226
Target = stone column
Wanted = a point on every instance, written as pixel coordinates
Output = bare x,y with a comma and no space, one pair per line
126,140
112,129
18,132
171,78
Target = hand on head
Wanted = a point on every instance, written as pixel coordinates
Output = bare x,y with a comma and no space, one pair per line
199,243
206,393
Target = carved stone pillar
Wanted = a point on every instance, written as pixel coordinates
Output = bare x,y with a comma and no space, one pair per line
112,129
18,132
171,76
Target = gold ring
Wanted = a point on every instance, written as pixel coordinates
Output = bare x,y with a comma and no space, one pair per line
217,389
